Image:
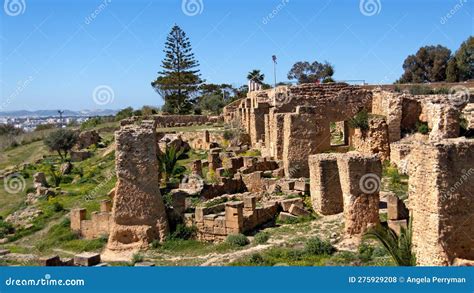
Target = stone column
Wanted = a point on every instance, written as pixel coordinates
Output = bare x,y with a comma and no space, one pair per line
138,214
234,217
305,133
441,201
326,193
360,177
77,215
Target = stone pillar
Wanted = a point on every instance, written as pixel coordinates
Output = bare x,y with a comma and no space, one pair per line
138,214
207,138
250,203
276,135
214,159
360,184
77,215
106,205
326,193
257,122
305,133
441,201
197,168
234,217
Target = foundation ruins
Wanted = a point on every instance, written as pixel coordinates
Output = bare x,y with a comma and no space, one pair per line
327,148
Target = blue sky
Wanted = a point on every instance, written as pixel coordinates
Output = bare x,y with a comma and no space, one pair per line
54,54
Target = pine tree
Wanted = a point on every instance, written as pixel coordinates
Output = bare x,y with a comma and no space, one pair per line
179,80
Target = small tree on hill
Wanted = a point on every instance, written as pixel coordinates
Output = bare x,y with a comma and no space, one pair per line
61,141
179,79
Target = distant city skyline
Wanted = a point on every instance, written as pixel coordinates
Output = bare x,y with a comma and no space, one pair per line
104,54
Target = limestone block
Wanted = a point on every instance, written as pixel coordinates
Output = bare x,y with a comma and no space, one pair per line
286,203
298,211
396,209
77,215
326,193
360,184
87,259
284,216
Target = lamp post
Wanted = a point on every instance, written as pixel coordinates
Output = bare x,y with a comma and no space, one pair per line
274,58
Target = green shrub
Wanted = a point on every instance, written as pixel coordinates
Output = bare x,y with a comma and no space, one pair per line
228,134
317,246
5,228
137,257
360,120
420,90
184,232
237,240
155,244
422,127
56,207
262,237
365,252
256,259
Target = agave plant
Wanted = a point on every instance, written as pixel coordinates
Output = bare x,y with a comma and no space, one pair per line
398,246
168,162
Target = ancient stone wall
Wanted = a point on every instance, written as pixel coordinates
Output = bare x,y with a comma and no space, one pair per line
374,140
97,226
138,214
217,222
305,133
441,201
175,120
389,104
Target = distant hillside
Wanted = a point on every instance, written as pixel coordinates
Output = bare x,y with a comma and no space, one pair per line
67,113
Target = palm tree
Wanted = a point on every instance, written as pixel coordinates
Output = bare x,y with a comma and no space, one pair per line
168,163
398,246
256,76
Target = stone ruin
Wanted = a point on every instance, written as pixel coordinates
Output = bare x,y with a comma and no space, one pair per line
441,194
97,226
292,127
347,183
138,214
